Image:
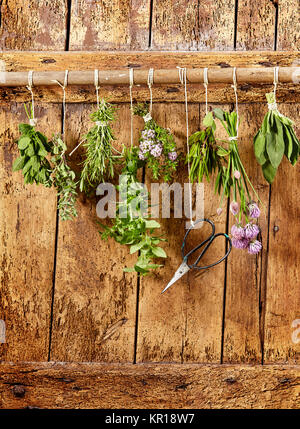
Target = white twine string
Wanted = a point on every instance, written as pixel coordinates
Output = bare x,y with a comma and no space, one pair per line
205,83
273,106
131,81
234,86
32,121
150,83
182,78
64,96
97,86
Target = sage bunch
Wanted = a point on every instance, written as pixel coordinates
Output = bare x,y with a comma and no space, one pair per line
275,138
64,180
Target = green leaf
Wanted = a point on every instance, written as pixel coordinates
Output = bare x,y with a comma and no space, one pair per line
275,149
269,172
259,145
159,252
208,120
23,142
19,163
135,247
222,152
25,128
129,270
288,142
219,114
152,224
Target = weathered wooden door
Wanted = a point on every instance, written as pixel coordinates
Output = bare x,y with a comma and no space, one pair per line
64,296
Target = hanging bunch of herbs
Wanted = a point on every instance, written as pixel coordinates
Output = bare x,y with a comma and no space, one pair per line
203,153
132,225
275,138
157,147
233,182
99,162
34,149
64,180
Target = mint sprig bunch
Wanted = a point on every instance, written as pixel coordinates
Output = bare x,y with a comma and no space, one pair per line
275,138
132,226
34,149
157,147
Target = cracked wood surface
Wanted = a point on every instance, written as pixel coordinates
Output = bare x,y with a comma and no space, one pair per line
80,385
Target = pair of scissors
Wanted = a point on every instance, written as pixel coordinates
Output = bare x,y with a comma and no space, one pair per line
185,266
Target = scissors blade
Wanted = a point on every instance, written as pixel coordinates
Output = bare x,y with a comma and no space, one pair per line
183,269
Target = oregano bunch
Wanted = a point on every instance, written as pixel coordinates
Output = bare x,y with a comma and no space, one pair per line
34,149
99,162
64,180
275,138
157,147
132,226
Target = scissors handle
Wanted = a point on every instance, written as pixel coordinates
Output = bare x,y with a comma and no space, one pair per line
206,244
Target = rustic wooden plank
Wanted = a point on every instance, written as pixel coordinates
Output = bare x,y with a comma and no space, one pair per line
193,25
242,339
92,293
33,25
27,225
255,25
86,385
12,61
283,298
109,24
205,289
161,334
288,25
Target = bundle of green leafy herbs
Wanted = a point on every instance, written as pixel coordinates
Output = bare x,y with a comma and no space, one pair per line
275,138
232,177
203,153
64,180
100,159
132,225
157,147
34,149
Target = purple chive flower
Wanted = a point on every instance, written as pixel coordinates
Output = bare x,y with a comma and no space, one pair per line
172,156
141,156
237,174
254,247
146,145
251,231
219,211
240,244
237,232
156,150
151,134
234,208
253,210
144,134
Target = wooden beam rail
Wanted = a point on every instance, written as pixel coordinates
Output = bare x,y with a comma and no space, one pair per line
253,75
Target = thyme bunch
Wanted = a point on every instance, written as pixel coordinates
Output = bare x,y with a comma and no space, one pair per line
64,180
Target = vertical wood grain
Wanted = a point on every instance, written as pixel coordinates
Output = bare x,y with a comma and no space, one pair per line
288,25
27,234
283,297
110,25
34,25
255,25
193,25
28,213
242,335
